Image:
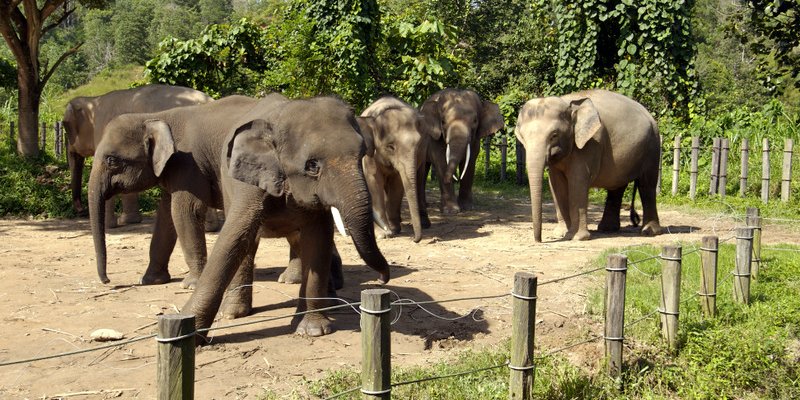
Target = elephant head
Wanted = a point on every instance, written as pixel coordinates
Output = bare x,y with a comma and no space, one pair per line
551,129
130,158
392,133
313,161
459,118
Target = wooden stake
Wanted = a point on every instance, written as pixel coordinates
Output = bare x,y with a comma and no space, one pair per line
617,267
693,168
503,157
765,171
714,167
176,342
786,181
44,135
375,344
708,278
754,221
723,169
745,167
744,252
487,148
523,331
670,294
676,164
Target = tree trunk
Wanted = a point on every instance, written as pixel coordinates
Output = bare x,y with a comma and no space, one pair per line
28,103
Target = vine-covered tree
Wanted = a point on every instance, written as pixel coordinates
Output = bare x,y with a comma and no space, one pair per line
778,45
23,24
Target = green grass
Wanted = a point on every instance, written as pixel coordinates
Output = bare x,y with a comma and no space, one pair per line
104,82
746,352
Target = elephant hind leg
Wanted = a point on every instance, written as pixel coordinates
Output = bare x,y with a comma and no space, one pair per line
650,223
130,209
610,221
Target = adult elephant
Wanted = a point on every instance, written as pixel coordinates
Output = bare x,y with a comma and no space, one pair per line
178,150
456,120
85,119
395,154
283,167
593,138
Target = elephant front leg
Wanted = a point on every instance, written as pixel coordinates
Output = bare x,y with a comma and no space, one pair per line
316,251
161,244
294,270
188,215
449,203
422,178
610,221
560,191
130,209
578,206
76,162
238,300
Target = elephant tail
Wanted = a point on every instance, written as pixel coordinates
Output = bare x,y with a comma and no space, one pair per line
634,215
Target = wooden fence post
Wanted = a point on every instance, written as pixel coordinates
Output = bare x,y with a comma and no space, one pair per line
487,157
754,221
523,332
745,167
723,169
676,163
670,294
58,142
765,170
176,342
617,268
520,163
44,135
741,276
375,344
693,167
503,157
708,277
714,167
786,181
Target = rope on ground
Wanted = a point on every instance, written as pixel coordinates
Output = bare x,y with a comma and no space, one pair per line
72,353
564,278
569,346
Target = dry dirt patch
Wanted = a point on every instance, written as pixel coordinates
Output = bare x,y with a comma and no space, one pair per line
51,301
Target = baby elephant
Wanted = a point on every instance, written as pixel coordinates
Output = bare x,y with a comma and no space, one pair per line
593,138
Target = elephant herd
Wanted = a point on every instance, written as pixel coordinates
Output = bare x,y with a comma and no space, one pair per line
298,168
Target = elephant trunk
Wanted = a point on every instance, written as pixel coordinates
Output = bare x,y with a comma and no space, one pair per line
408,174
536,162
98,192
457,149
356,209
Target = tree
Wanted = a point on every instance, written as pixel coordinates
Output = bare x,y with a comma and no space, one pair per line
777,22
23,24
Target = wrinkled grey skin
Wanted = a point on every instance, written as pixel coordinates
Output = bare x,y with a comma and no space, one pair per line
178,150
593,138
457,119
85,119
283,166
395,155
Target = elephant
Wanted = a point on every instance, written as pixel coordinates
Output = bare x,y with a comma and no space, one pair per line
396,152
456,120
283,166
85,119
593,138
178,150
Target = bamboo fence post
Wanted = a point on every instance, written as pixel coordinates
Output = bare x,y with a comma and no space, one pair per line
723,169
714,167
786,181
176,342
523,332
670,294
745,167
744,251
617,267
765,170
520,163
754,221
375,344
11,131
58,142
660,161
44,135
708,278
503,157
693,167
676,163
487,157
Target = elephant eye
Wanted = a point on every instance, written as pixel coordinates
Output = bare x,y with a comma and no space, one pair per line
390,148
312,167
112,161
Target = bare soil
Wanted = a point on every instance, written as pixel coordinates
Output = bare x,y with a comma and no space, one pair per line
51,301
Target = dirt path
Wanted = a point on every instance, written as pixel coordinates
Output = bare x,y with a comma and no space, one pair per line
51,301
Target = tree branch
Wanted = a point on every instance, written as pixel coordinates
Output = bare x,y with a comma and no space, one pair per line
61,59
60,20
8,32
49,7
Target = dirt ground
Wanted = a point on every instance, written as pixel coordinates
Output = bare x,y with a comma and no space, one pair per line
51,301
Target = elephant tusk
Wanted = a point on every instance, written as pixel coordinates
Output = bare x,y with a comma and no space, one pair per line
466,163
337,219
447,153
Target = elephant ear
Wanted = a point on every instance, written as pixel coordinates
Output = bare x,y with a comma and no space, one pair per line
585,122
432,117
160,144
368,128
491,119
253,157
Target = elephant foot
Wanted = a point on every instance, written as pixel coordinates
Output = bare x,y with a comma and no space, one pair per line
382,234
292,273
560,231
129,218
465,204
236,309
155,278
190,282
314,324
111,222
213,220
582,234
606,226
212,226
425,221
651,229
451,208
